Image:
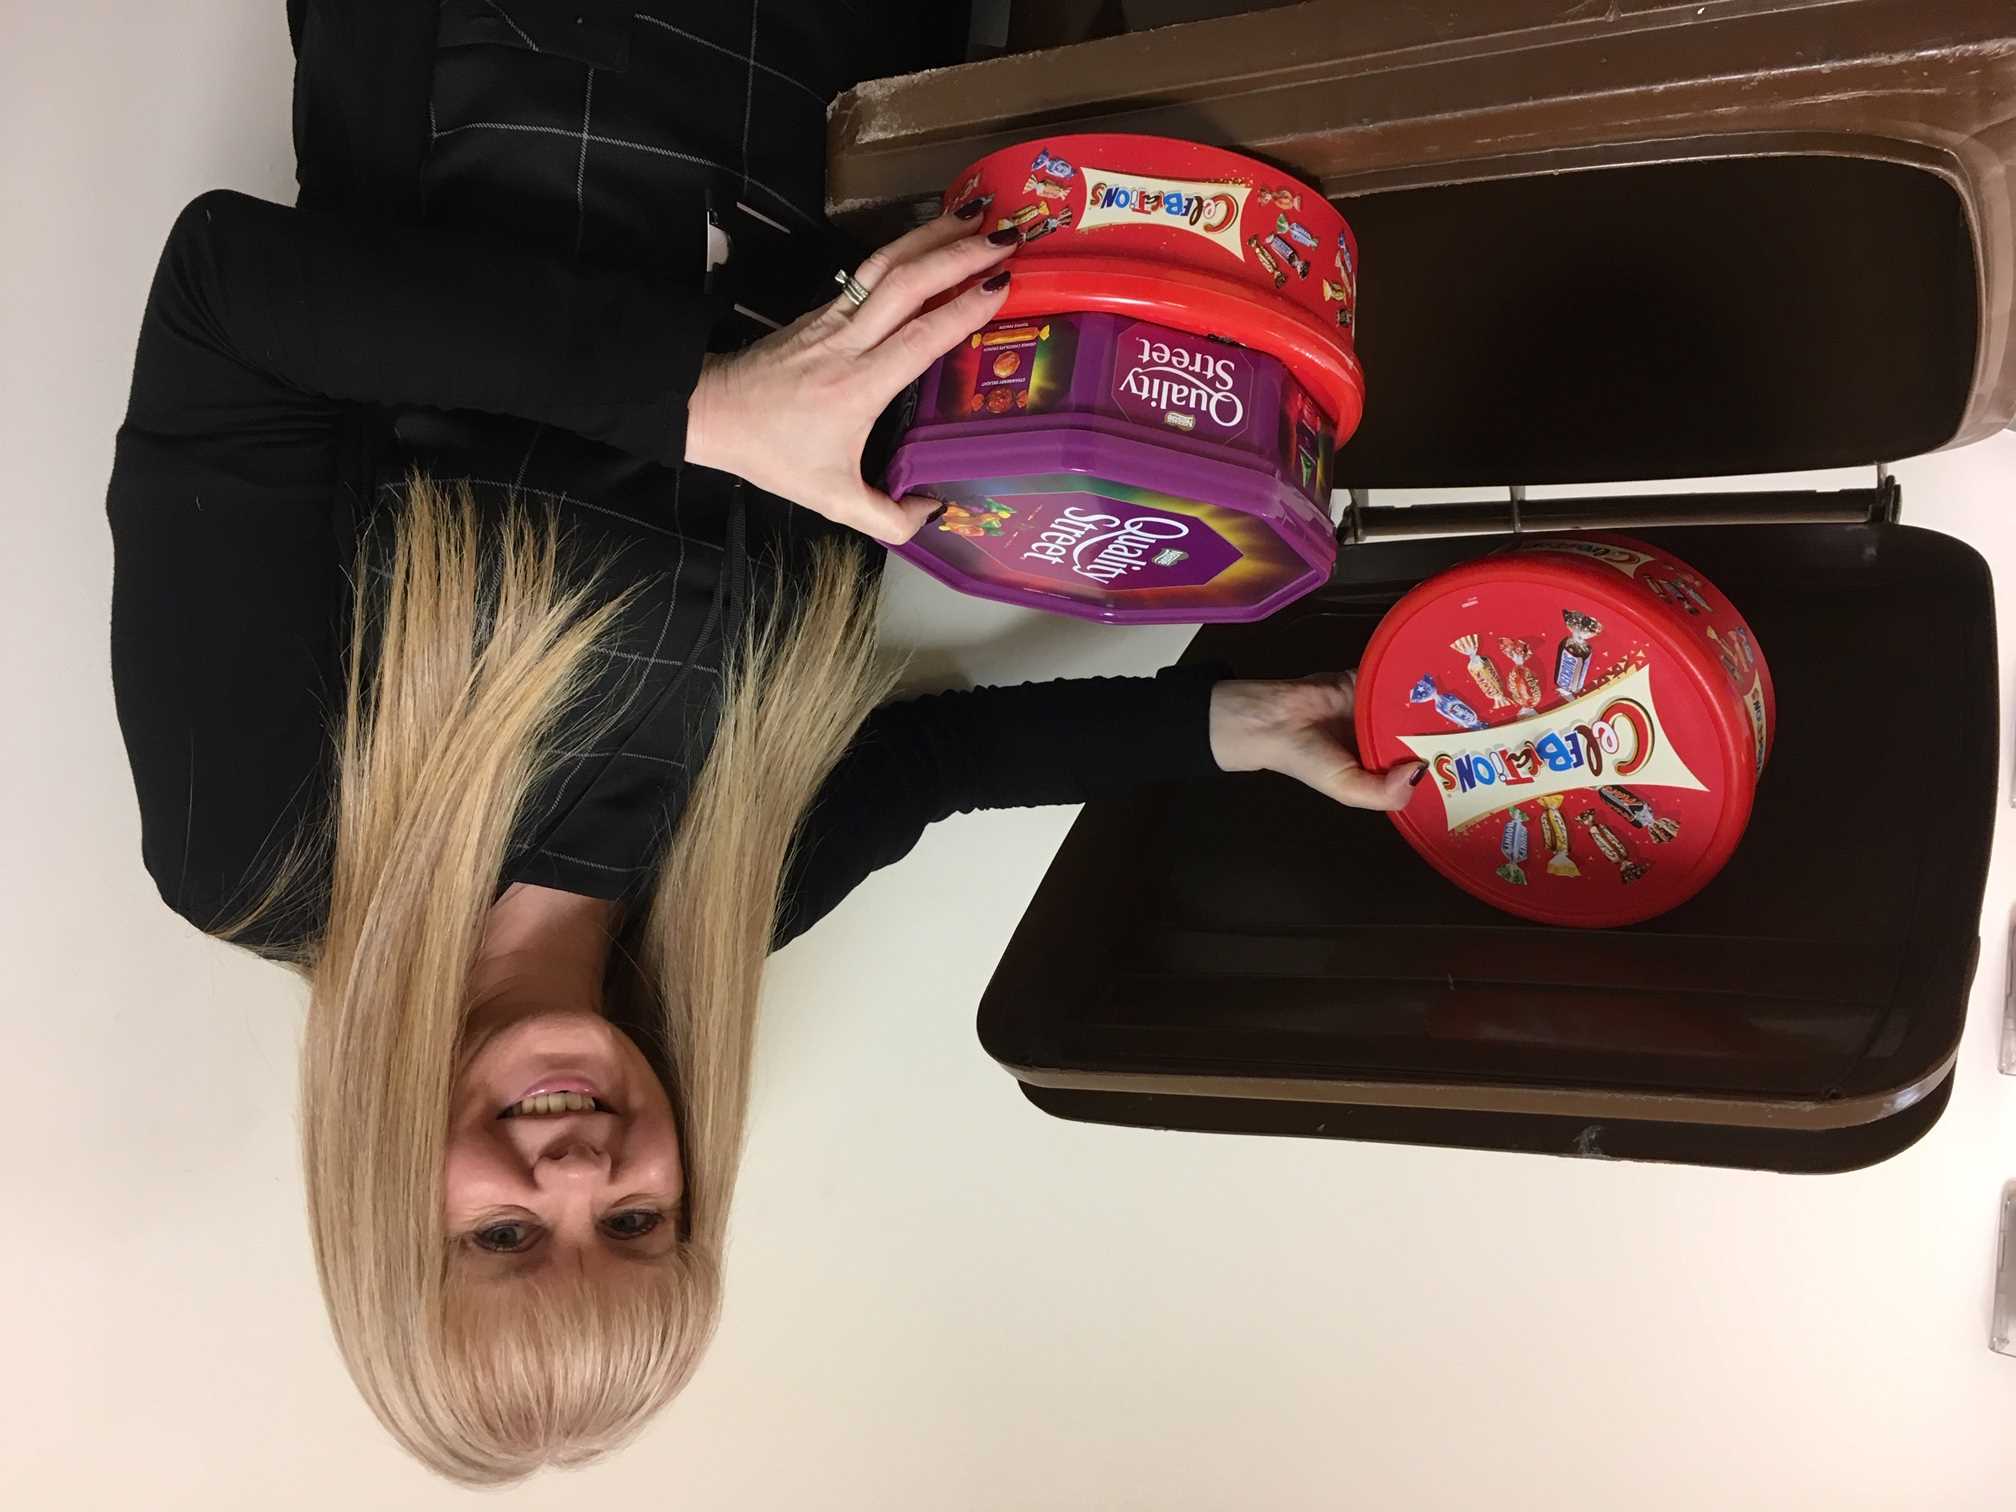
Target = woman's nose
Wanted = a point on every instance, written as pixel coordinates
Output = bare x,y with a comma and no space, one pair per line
568,1158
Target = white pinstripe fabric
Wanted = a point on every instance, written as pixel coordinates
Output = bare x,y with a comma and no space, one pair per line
506,17
749,58
776,105
808,217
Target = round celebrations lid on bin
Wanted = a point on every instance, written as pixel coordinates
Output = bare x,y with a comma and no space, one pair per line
1594,715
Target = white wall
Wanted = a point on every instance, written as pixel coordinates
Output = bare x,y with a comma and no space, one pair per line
940,1298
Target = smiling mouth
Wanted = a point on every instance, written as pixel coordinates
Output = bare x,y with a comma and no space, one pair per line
553,1104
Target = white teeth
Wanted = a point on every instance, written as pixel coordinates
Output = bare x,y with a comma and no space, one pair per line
551,1102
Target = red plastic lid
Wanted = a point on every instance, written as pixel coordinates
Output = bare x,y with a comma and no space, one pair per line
1183,235
1595,716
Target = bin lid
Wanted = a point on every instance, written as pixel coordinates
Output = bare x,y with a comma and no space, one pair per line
1690,319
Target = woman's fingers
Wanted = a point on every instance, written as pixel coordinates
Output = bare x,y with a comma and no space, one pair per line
904,356
908,286
835,356
917,511
874,513
1355,787
937,232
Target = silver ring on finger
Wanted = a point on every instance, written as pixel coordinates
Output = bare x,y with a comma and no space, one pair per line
852,287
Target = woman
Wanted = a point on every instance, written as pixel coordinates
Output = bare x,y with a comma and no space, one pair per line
446,678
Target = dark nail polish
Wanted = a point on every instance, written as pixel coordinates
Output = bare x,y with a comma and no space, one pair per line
1007,236
971,208
936,515
1419,772
995,284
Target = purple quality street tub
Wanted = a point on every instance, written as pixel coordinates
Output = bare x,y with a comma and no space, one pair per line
1102,467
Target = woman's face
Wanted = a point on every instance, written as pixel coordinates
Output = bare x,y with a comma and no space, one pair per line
562,1152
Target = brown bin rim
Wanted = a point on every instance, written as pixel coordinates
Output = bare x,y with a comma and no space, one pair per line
1510,1097
1360,99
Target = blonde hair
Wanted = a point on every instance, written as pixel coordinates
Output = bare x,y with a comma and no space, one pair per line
482,650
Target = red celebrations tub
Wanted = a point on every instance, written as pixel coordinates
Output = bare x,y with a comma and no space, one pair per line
1145,435
1594,716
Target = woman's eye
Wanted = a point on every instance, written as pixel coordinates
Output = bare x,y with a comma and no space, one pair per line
634,1224
504,1238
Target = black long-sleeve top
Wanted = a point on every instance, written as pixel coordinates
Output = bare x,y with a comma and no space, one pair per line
276,344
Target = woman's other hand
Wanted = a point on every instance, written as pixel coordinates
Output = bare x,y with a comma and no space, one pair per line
1303,730
792,413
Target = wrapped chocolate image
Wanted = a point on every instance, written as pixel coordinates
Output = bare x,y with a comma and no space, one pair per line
1448,705
1482,672
1512,846
1522,682
1571,667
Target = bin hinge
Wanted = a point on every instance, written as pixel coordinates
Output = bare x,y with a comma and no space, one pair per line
1364,522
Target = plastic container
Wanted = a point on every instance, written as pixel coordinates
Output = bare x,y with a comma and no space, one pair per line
1145,434
1119,471
1192,237
1595,716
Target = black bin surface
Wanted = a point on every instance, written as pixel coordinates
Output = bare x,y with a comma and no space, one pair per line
1242,955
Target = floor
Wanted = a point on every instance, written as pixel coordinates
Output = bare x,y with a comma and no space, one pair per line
940,1298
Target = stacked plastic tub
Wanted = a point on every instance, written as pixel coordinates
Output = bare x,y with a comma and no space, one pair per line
1145,434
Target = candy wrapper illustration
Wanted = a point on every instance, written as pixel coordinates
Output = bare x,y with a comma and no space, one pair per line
989,520
1266,260
1026,215
1280,199
1481,671
1522,682
1055,167
1308,440
1673,593
1612,845
1554,833
1279,245
1512,846
1296,232
1639,814
1689,587
1448,705
1731,655
1049,189
966,193
1046,226
1571,668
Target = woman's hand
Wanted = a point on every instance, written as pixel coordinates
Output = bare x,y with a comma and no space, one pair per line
792,413
1303,730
